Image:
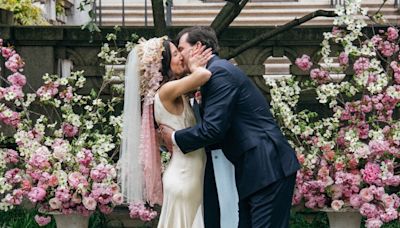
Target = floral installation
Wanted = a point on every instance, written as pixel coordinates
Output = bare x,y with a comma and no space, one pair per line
65,143
350,155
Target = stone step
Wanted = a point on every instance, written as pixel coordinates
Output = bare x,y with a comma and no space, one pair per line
251,5
254,14
213,12
266,21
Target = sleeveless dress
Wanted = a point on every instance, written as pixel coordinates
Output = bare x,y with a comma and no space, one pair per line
184,176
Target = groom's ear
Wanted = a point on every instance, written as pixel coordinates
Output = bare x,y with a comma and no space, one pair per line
198,45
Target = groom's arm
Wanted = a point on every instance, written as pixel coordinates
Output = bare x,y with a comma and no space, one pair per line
222,93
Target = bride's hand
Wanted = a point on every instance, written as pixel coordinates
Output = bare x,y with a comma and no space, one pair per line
199,58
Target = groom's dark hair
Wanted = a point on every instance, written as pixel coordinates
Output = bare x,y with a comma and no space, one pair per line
206,35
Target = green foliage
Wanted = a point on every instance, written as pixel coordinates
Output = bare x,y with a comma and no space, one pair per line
60,10
24,218
309,220
21,218
25,13
91,24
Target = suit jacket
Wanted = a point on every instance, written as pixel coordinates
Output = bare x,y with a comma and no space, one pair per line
237,117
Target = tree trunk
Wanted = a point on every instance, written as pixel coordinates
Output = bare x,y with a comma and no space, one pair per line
160,26
278,30
227,14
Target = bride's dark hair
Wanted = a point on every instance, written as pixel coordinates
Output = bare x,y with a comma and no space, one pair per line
166,63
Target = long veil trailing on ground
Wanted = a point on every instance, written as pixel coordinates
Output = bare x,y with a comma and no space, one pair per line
131,175
140,163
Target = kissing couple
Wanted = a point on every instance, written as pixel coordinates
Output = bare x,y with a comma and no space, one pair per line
252,188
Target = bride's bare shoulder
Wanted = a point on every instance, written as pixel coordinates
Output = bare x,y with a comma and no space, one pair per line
165,91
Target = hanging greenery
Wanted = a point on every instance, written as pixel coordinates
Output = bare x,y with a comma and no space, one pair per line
25,12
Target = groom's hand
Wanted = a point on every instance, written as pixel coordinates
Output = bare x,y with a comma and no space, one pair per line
166,135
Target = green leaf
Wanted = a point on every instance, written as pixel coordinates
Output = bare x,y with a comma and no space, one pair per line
93,94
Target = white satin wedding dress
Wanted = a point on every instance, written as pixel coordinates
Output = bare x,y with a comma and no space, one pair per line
183,178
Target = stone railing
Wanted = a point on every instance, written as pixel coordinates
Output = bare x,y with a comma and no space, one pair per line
44,48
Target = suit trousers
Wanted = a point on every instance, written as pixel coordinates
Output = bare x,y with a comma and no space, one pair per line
268,207
211,204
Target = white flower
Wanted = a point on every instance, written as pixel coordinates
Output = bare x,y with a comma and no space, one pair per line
376,134
351,136
337,204
116,121
74,119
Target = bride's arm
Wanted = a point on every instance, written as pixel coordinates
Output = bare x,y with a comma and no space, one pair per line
199,76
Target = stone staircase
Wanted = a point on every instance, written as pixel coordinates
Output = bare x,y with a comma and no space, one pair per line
254,13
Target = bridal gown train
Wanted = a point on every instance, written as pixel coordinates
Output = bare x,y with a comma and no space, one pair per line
183,178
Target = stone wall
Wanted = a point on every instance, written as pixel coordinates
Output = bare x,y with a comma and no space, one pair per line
43,47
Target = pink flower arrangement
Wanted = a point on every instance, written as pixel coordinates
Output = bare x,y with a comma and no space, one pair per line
349,159
61,165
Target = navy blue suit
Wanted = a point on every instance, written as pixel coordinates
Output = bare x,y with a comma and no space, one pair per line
236,116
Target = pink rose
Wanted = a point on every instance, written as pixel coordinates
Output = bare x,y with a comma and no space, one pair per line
319,75
361,65
55,203
69,130
42,220
89,203
17,79
366,195
14,63
393,34
13,176
114,188
337,204
371,173
388,200
16,91
36,194
355,201
373,223
369,210
343,58
117,199
63,194
389,215
11,156
76,178
387,48
67,94
304,63
7,52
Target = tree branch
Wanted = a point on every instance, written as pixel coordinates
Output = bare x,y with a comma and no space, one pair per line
160,25
278,30
227,14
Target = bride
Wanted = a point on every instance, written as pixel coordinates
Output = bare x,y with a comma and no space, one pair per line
154,84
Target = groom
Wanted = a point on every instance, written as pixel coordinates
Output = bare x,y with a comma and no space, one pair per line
236,116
